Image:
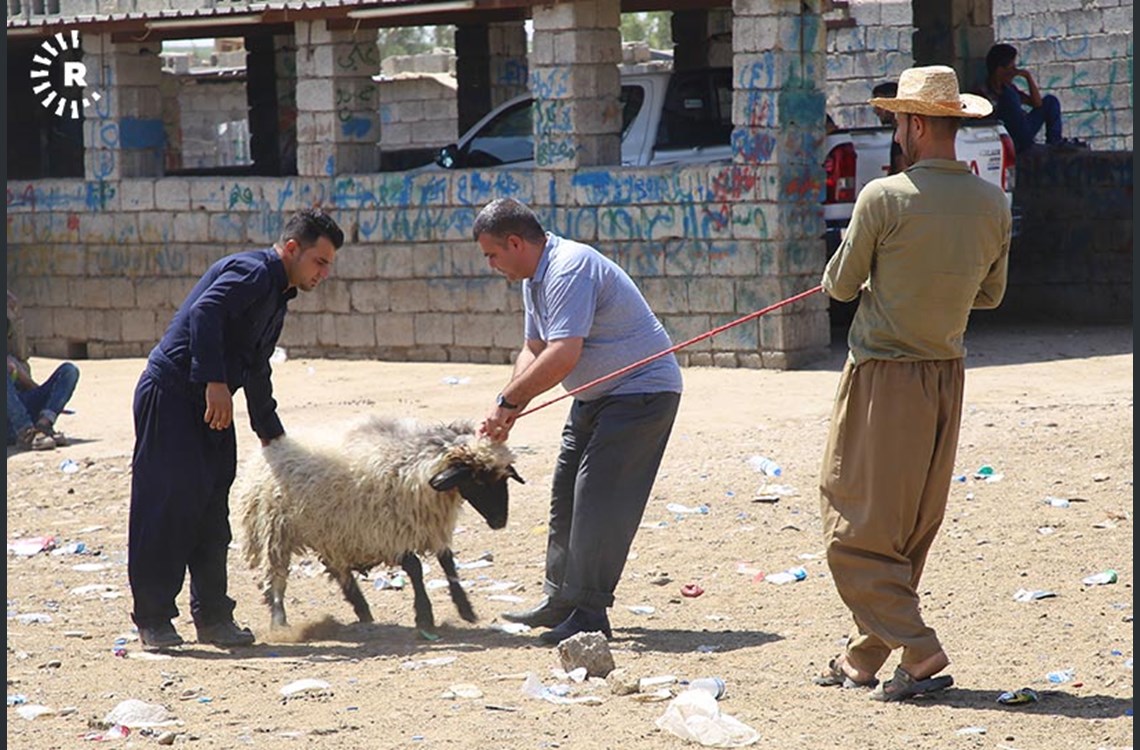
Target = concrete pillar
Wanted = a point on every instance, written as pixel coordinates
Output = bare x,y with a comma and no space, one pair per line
778,140
702,39
338,114
123,133
574,78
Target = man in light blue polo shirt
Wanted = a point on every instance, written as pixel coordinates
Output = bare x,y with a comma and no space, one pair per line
585,318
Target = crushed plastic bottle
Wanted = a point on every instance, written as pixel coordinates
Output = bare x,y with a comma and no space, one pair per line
787,576
1097,579
1061,675
1057,502
766,466
69,466
1018,697
714,686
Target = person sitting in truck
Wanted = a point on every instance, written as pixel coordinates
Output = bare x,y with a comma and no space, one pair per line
1009,100
889,89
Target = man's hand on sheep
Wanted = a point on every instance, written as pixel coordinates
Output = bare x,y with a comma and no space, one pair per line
219,406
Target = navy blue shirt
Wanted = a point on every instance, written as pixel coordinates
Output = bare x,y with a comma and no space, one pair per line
226,331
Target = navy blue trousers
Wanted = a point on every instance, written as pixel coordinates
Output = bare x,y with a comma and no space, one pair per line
180,482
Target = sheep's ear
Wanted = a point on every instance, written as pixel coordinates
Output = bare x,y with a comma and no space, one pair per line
451,476
512,474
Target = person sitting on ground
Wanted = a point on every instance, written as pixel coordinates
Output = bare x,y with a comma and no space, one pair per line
28,400
889,89
1008,100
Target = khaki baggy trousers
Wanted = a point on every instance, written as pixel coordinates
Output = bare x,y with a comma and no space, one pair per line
883,489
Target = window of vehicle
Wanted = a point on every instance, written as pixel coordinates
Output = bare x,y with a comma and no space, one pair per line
509,137
697,111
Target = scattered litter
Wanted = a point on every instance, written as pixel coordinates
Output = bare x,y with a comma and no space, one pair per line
69,466
462,690
31,617
1046,530
764,465
649,684
706,649
17,699
691,590
714,686
1018,697
695,715
653,696
1097,579
75,548
31,546
513,628
1057,502
32,711
748,569
959,478
381,582
93,588
558,694
474,564
787,576
641,609
578,674
438,661
279,356
137,714
972,730
685,509
658,525
1101,477
1061,675
508,598
985,470
775,490
1027,595
306,685
113,732
453,380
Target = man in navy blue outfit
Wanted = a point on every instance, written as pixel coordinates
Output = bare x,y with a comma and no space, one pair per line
185,455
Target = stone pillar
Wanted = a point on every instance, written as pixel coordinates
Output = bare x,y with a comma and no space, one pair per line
338,114
778,140
123,132
702,39
574,78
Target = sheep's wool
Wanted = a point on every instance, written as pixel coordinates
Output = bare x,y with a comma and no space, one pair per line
359,498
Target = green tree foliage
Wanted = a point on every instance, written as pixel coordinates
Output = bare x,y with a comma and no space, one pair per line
654,28
411,40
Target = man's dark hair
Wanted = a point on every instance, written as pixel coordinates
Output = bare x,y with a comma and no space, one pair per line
946,126
505,216
999,56
885,90
310,224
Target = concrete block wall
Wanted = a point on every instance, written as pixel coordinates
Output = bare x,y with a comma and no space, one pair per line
1077,50
1082,53
213,121
104,268
417,110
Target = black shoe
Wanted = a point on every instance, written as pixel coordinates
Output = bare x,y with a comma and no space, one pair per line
579,621
159,637
225,633
546,615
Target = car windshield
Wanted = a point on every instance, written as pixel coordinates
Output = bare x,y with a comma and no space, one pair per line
509,137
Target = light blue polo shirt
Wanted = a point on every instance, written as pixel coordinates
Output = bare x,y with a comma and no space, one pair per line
576,292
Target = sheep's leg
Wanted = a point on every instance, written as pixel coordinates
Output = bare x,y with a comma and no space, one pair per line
411,565
458,594
274,590
352,593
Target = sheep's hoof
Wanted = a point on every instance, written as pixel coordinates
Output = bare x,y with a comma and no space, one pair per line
367,617
277,621
468,614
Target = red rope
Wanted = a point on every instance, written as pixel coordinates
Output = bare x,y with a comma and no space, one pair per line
675,347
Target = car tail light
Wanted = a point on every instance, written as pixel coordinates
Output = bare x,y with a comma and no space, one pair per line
840,169
1008,163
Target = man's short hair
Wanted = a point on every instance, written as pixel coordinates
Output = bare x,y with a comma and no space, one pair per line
310,224
505,216
999,56
945,126
889,88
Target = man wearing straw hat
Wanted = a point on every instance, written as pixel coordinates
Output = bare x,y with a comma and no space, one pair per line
923,248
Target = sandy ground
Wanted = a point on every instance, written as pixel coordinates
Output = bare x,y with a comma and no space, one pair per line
1049,409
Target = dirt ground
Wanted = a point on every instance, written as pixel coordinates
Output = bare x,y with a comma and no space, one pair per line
1050,410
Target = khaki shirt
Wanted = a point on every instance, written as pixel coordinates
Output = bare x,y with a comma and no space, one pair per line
923,248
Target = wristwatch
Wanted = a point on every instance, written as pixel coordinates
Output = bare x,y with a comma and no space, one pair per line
503,403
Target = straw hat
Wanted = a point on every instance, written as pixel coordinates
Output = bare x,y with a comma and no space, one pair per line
932,90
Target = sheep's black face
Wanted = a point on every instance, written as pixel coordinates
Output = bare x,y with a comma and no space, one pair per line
485,490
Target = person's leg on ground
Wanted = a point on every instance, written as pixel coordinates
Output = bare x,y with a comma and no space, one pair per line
55,393
615,478
871,487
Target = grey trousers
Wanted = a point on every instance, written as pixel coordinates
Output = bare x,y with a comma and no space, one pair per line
611,450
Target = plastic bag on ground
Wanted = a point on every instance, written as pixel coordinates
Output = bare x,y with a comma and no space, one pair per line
138,714
694,715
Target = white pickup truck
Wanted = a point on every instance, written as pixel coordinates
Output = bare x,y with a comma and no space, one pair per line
857,156
668,117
